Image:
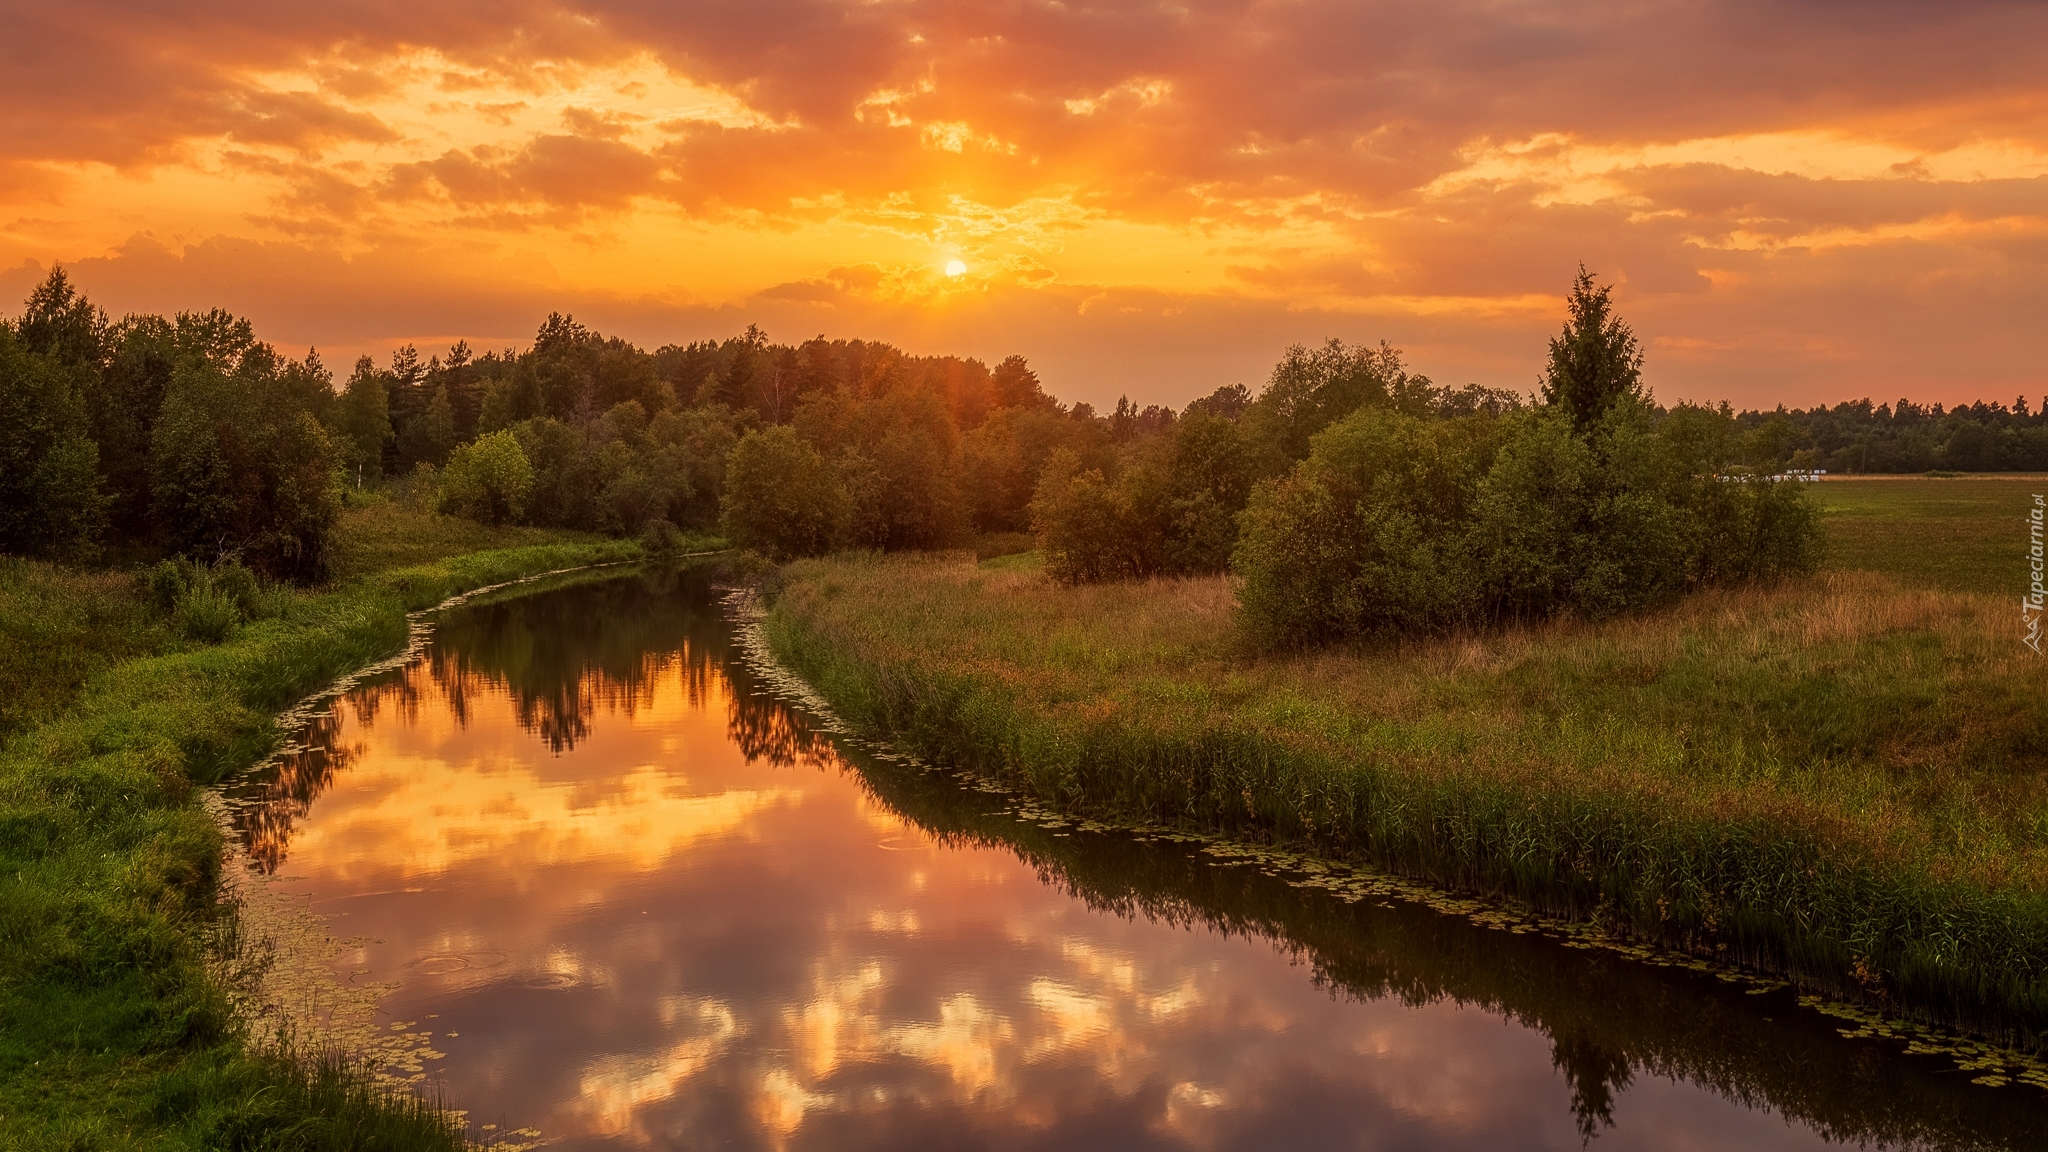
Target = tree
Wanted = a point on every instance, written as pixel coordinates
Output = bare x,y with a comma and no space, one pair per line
124,411
238,466
1594,362
1013,384
430,435
488,479
51,503
59,323
1208,481
1088,529
365,418
782,498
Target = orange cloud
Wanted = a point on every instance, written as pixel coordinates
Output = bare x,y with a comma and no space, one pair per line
1798,206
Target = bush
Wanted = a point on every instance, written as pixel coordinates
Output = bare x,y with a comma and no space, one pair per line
205,603
781,498
487,480
1397,523
660,537
206,614
1372,531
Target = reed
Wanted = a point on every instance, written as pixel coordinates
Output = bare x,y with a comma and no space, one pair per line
116,1028
1840,781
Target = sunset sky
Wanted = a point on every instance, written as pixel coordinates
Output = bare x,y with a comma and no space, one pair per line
1799,202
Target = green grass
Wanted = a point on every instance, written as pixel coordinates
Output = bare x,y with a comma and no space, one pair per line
116,1028
1963,534
1844,780
388,535
58,628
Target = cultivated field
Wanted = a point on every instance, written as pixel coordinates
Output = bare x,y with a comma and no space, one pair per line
1962,534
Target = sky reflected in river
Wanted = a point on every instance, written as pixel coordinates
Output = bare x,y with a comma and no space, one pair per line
639,905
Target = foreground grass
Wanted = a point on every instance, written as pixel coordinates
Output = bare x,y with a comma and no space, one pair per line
117,1029
1841,781
1961,534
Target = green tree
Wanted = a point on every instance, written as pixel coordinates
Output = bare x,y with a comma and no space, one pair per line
488,479
1208,481
1088,529
59,323
565,475
782,498
430,435
364,418
51,503
1594,362
1313,388
238,466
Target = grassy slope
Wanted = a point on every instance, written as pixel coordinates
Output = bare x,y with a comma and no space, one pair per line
1841,780
114,1031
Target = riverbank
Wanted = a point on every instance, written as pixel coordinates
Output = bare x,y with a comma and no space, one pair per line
1837,781
118,1022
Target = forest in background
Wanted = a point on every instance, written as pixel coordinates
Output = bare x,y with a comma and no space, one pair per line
132,439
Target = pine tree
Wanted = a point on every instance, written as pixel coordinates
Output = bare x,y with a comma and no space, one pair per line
1595,362
366,418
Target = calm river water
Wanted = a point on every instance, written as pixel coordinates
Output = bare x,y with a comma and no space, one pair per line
631,900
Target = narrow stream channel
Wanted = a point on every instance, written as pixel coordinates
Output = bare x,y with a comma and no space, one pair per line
614,894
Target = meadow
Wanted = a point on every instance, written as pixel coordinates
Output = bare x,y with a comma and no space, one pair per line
1838,779
1958,533
120,1024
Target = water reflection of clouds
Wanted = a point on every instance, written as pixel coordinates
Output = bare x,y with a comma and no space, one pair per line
687,927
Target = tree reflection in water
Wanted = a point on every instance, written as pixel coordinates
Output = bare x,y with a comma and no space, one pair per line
563,656
570,656
1608,1019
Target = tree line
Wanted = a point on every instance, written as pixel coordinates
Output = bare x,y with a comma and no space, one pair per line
1349,493
1905,437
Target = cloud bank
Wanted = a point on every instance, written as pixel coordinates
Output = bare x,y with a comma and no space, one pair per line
1801,201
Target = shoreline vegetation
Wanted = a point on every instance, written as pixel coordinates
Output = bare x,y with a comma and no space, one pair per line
1834,779
119,1024
1566,656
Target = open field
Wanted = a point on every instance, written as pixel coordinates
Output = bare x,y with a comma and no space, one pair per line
116,1028
1963,534
1842,780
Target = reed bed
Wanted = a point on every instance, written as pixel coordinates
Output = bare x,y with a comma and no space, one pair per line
1839,781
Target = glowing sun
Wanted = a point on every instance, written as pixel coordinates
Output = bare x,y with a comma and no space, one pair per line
956,267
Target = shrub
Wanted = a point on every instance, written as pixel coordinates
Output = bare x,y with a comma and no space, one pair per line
205,603
207,614
1401,523
1372,531
487,480
660,537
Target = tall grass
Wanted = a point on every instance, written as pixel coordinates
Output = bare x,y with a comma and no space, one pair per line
115,1031
1839,780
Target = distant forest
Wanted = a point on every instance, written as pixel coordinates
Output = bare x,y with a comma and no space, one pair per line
149,436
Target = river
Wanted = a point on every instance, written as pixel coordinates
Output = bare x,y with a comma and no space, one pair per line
590,880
